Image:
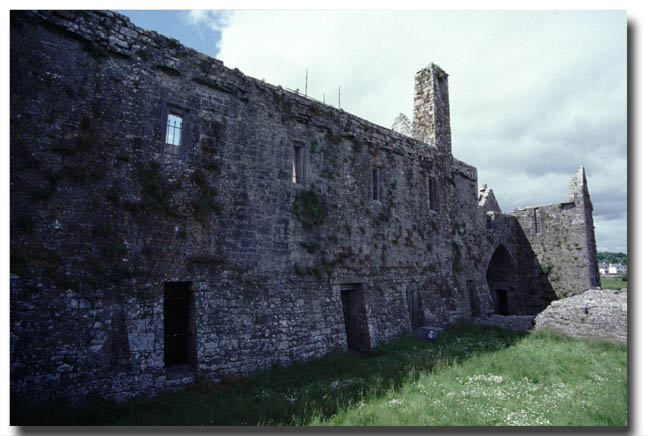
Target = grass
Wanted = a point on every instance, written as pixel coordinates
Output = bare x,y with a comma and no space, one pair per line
614,282
470,376
543,380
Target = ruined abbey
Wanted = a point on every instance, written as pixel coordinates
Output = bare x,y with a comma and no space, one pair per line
172,218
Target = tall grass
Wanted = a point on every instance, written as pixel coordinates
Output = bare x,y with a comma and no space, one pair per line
470,376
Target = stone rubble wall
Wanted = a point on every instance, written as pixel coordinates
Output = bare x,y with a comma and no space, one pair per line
598,314
518,323
562,236
532,292
103,214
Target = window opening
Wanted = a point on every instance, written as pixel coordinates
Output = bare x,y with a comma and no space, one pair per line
432,192
474,298
174,129
179,324
376,178
298,164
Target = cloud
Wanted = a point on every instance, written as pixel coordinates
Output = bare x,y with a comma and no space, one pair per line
533,95
208,24
215,20
611,234
195,16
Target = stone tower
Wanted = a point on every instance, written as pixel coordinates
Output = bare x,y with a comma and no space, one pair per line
431,122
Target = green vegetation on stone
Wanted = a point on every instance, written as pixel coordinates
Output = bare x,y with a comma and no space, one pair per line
204,202
309,209
471,376
546,268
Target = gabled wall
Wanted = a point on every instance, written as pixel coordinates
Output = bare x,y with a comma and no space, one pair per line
562,236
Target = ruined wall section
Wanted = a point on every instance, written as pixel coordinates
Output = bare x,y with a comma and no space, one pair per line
562,236
465,235
532,291
579,193
479,229
103,214
487,201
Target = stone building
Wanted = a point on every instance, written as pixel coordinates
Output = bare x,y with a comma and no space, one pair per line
173,218
562,236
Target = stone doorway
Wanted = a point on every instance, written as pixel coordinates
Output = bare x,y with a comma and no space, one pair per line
502,279
413,304
501,302
355,317
179,324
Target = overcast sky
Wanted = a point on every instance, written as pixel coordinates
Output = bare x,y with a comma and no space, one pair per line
533,95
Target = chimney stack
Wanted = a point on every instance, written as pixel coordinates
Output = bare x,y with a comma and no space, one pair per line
431,122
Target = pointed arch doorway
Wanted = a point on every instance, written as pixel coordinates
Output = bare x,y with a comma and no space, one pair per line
502,279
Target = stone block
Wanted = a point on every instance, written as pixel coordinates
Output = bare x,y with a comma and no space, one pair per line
428,333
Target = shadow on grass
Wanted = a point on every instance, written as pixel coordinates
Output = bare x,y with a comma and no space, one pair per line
292,395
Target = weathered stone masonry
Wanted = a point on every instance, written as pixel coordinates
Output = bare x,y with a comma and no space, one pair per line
562,236
278,229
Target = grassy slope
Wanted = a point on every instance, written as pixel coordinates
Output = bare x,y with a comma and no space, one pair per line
471,376
542,380
613,282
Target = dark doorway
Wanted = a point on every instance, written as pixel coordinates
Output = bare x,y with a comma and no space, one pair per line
413,307
501,302
179,324
502,281
355,317
475,306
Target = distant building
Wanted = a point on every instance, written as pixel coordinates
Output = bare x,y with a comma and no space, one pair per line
603,268
617,268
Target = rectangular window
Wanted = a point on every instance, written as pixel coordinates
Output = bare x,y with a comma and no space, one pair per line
298,164
174,129
376,181
432,192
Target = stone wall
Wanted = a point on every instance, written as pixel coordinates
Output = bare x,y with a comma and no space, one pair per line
562,236
104,214
273,217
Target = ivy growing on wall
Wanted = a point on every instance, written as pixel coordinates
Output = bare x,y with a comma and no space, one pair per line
204,202
310,209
